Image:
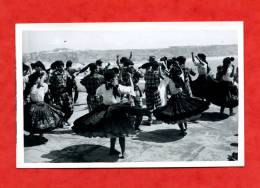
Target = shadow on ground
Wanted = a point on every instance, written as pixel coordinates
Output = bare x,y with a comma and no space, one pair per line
81,153
62,131
213,116
33,140
160,136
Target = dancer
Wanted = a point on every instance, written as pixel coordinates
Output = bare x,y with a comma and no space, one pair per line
152,82
200,87
91,83
60,85
186,75
180,107
230,91
126,72
39,117
112,119
73,84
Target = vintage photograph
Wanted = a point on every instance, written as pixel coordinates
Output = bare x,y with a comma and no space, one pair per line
111,95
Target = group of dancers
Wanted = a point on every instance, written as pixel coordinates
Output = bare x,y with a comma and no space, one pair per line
114,98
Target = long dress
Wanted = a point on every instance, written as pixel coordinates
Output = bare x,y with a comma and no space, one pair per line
111,119
180,106
40,117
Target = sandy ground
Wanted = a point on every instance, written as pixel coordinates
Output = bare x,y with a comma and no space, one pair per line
210,138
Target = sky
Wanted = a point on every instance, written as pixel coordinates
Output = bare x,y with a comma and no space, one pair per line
35,41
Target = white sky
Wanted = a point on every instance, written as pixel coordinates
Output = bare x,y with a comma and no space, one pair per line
34,41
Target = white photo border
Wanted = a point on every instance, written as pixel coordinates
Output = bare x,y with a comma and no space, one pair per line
115,26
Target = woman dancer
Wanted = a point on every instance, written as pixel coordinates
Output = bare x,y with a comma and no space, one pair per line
201,86
39,117
229,97
112,119
180,107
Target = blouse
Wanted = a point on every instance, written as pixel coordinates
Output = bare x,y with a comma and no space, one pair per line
109,98
37,93
227,77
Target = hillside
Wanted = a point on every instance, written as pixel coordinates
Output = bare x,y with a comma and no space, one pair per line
140,55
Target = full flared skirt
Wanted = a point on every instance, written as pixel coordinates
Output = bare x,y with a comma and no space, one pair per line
180,107
41,117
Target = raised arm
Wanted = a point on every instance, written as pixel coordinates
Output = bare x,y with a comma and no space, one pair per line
117,62
131,55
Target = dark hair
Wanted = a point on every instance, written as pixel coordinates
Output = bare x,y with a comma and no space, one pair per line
116,70
202,57
99,62
108,76
155,65
54,65
92,67
181,60
164,58
59,63
32,81
226,63
68,63
25,67
152,58
39,64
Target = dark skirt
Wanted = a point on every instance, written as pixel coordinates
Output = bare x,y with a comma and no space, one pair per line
224,94
180,107
220,93
199,87
108,121
41,117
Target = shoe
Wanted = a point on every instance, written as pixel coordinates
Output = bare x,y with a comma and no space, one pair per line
137,129
123,156
114,152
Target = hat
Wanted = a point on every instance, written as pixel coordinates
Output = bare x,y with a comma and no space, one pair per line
181,60
92,67
202,57
109,75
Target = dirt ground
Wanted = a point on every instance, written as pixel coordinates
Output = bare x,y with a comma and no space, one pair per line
212,137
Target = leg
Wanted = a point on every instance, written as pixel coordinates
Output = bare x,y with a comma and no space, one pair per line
67,105
113,151
222,108
185,125
122,145
149,106
181,128
231,113
138,119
